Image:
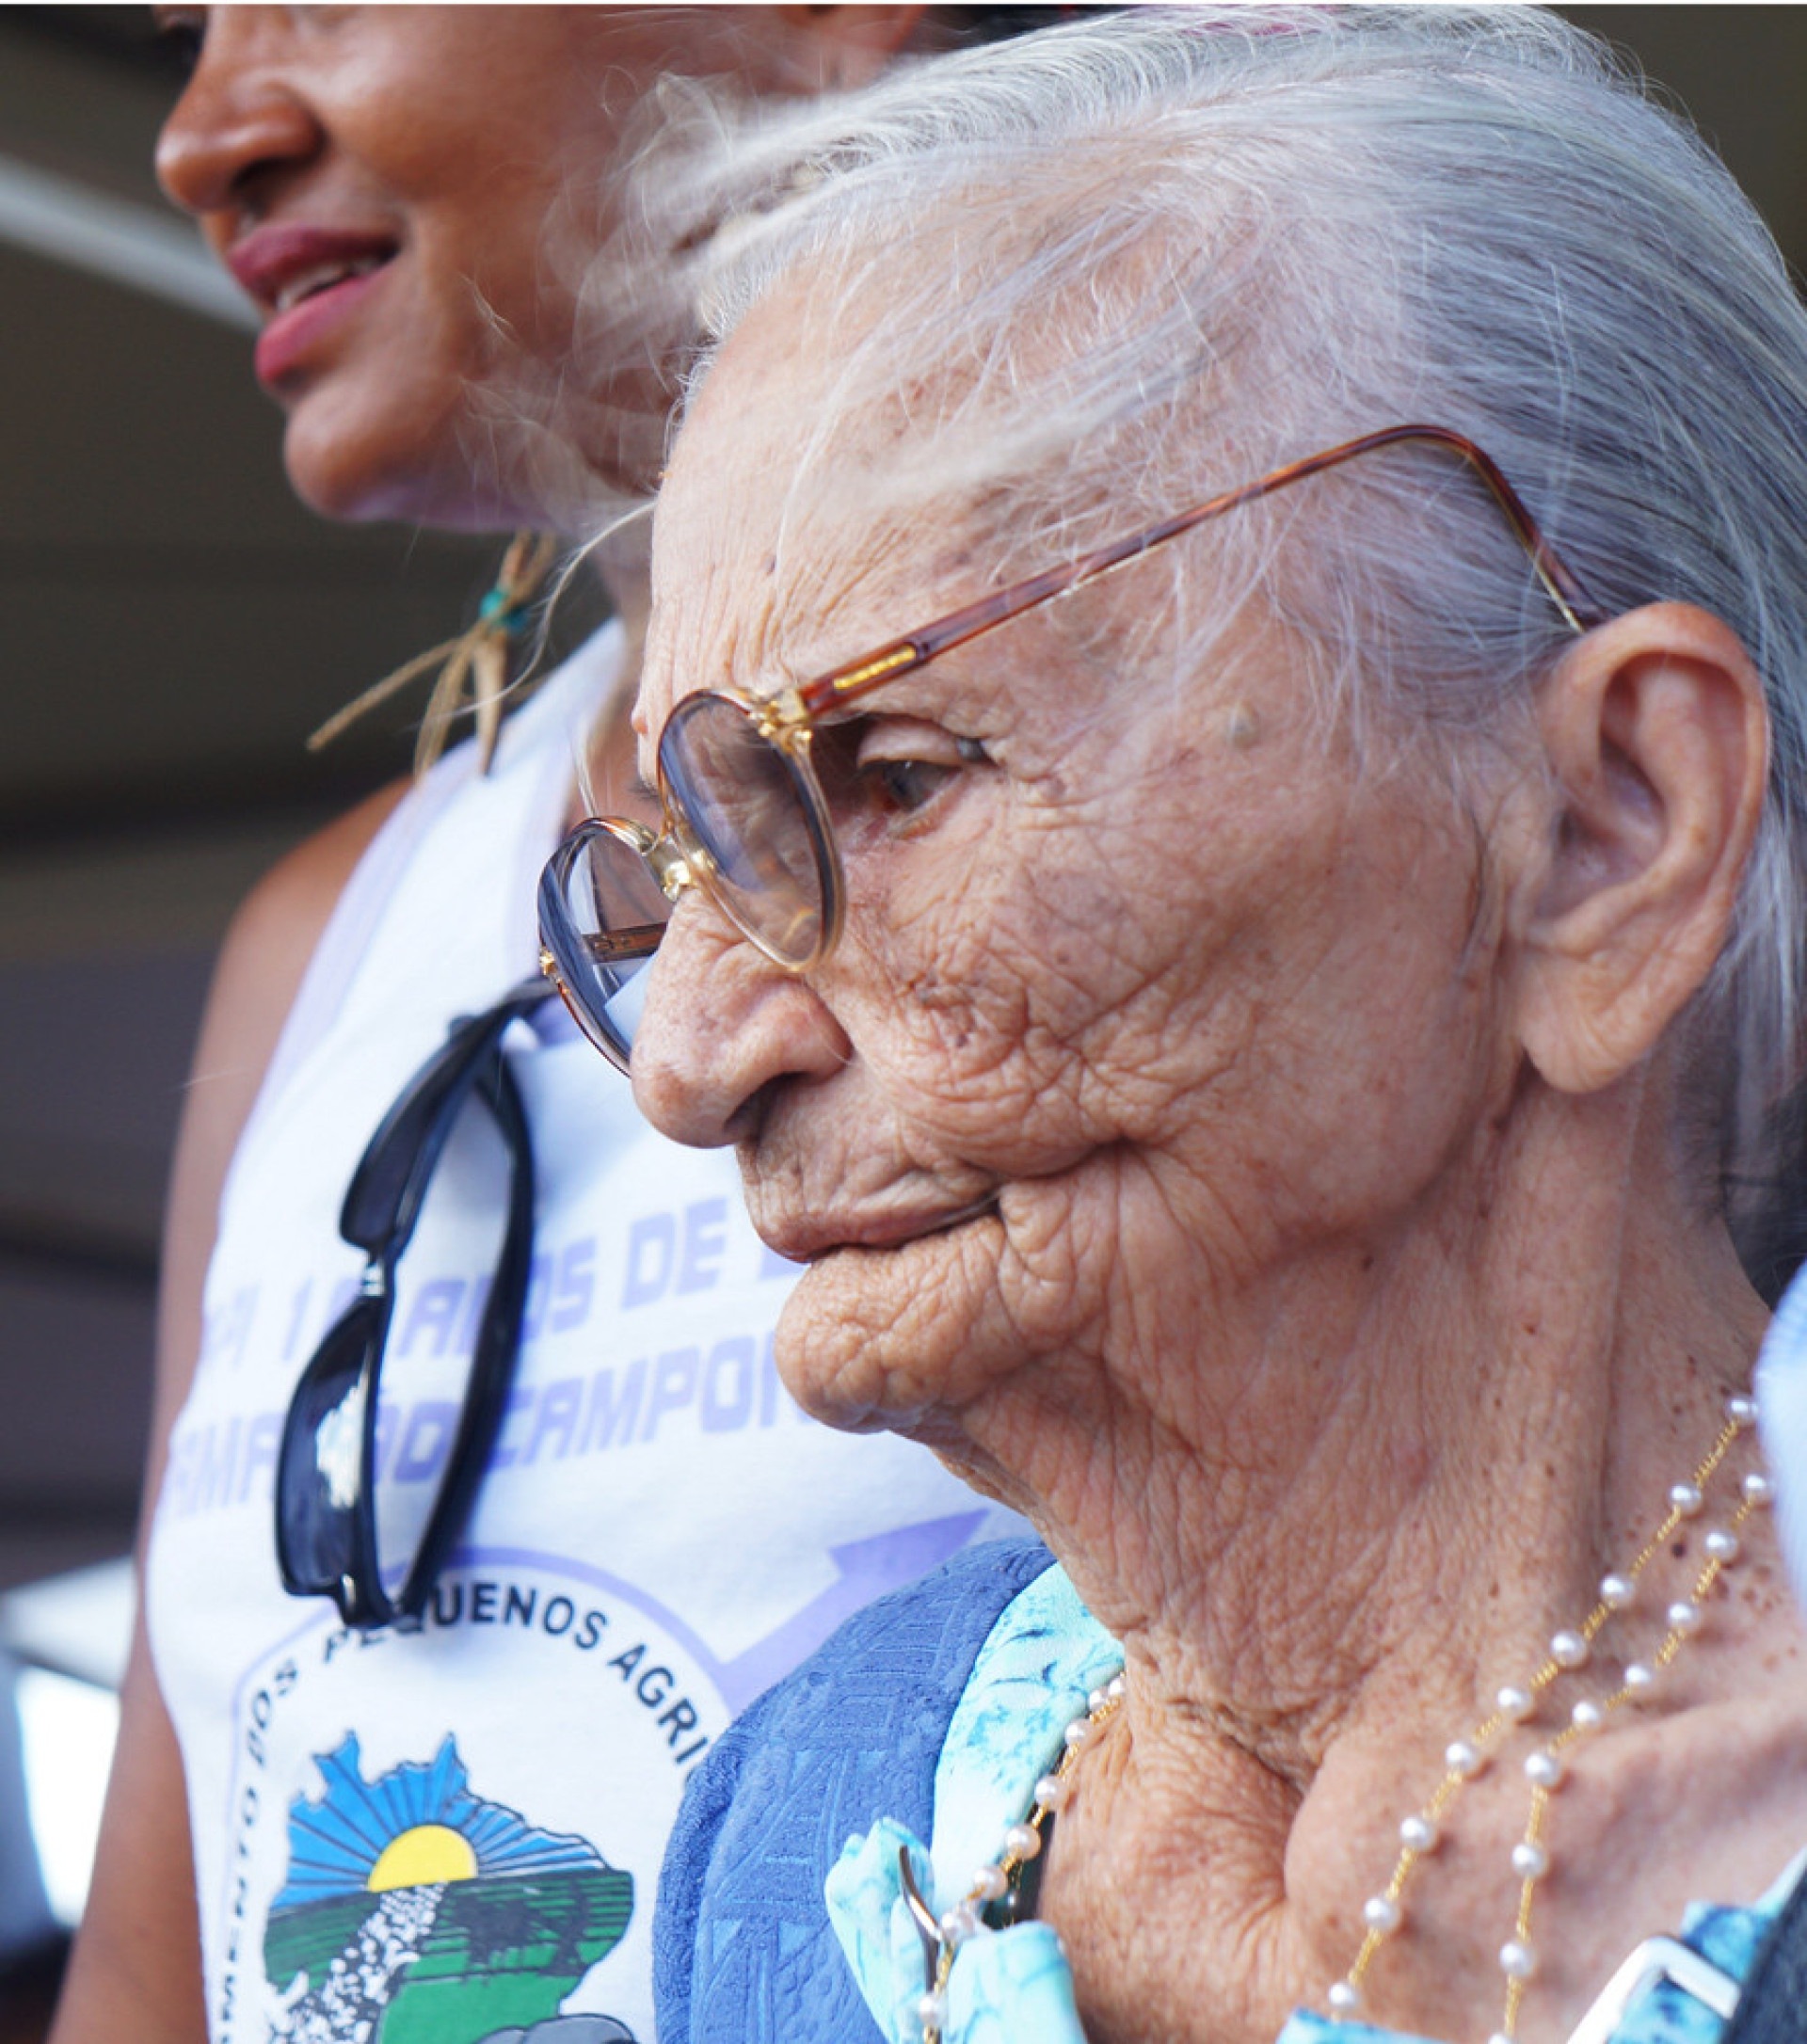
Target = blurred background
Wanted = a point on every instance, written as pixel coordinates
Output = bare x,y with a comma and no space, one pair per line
172,625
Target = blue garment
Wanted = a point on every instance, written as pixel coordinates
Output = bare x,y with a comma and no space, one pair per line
927,1718
744,1950
1044,1659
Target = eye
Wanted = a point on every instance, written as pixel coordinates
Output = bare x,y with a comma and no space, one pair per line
884,774
907,784
899,766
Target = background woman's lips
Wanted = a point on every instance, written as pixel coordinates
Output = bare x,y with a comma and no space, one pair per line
305,279
284,343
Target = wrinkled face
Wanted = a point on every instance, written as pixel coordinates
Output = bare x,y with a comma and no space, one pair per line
1146,985
408,194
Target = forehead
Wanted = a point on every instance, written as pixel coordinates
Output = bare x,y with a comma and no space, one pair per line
795,530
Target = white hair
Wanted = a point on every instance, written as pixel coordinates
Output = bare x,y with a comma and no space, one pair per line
1167,250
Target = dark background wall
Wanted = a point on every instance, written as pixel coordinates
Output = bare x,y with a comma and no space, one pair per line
172,625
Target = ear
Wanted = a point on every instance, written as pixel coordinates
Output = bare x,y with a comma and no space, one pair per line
1657,739
852,45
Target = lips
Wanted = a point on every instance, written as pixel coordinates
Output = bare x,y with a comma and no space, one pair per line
307,280
322,276
820,1237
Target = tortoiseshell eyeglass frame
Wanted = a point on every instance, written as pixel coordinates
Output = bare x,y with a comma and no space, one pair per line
677,854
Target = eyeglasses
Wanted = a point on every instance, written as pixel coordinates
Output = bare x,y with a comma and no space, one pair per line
327,1540
745,816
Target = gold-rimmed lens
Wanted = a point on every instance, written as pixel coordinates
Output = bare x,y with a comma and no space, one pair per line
751,828
602,914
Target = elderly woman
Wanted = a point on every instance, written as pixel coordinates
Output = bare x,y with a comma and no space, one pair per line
1264,1018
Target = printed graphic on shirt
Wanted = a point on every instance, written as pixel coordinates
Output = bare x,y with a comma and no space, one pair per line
417,1912
417,1853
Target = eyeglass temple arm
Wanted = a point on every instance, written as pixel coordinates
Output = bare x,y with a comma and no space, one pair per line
610,947
1564,586
495,1356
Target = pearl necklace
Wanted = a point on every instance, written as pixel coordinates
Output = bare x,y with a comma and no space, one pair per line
943,1935
1546,1769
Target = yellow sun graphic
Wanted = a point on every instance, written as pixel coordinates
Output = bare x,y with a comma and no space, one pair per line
421,1855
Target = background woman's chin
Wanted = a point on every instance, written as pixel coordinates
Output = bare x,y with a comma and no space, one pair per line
484,464
358,455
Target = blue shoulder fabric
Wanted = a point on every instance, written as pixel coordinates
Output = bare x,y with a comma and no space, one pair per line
742,1950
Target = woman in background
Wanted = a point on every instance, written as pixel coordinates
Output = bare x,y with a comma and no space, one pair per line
458,1827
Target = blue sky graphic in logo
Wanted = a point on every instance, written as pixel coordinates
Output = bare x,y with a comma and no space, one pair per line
416,1912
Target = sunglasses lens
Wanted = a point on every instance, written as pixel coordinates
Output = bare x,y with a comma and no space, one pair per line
430,1359
750,825
600,916
369,1502
319,1477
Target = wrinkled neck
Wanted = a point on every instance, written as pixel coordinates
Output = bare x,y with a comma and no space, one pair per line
1376,1473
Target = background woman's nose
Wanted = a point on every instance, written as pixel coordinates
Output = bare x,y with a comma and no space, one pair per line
238,116
720,1024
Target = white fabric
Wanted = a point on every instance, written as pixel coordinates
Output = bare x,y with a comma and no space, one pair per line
1782,1410
660,1534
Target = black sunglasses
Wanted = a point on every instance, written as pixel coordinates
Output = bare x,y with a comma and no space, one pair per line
325,1491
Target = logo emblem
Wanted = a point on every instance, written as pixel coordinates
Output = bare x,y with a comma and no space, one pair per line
416,1912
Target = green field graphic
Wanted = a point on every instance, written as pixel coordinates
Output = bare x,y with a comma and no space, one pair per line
500,1953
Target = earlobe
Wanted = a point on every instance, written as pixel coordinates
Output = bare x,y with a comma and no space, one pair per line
1656,735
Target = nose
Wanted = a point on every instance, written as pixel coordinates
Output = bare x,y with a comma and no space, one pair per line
720,1025
240,117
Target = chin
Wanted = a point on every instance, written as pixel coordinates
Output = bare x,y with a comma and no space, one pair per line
820,1355
358,463
899,1338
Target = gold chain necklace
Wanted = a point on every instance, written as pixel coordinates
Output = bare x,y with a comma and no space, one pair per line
1547,1766
943,1935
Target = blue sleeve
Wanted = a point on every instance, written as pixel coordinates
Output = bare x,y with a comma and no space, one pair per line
743,1952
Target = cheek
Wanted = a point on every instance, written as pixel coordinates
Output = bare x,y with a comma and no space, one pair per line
501,220
494,290
986,973
1347,1034
1289,988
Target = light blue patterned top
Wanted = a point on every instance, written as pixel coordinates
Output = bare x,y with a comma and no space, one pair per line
1040,1661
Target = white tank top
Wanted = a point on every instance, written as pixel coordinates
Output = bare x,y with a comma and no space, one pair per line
455,1833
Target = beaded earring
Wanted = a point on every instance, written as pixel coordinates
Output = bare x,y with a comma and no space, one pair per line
478,655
